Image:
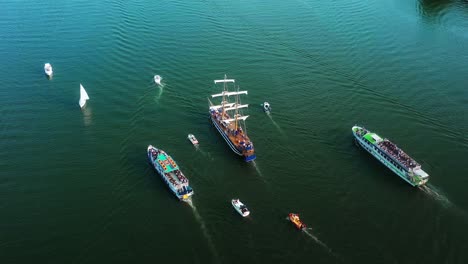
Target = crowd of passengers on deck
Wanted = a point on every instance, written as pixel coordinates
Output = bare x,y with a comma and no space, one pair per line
180,176
239,133
170,178
398,154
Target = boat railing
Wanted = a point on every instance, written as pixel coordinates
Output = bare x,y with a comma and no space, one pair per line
361,132
404,159
181,176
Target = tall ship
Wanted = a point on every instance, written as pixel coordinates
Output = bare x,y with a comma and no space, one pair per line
170,173
229,121
391,156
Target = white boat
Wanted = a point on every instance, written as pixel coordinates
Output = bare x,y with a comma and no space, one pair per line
48,69
192,139
157,79
83,96
266,107
240,207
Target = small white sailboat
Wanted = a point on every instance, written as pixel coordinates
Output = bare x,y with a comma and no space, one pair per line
48,69
240,207
157,79
83,96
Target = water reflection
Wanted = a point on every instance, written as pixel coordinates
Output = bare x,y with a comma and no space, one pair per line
87,115
434,9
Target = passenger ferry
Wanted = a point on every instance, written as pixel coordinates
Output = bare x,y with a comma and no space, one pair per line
391,156
170,173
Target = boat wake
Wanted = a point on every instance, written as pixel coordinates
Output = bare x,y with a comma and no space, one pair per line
259,172
275,124
436,194
204,229
160,92
204,153
308,232
158,96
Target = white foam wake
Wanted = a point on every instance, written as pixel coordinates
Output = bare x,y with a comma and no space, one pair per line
203,228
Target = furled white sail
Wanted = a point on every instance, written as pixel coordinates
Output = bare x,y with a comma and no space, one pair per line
219,106
237,106
238,118
83,96
226,93
224,81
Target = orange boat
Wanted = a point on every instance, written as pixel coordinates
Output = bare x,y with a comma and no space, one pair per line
294,218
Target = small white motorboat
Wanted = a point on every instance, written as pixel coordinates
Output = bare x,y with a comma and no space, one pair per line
240,207
266,107
192,139
157,79
48,69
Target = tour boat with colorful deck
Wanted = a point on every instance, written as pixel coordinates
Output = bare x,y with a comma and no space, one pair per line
228,125
391,156
170,173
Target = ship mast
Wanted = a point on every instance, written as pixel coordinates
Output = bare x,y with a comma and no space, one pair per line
237,109
224,96
240,104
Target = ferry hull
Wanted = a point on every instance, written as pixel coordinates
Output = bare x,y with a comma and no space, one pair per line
181,197
374,152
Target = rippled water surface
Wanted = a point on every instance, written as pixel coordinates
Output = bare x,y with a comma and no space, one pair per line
75,186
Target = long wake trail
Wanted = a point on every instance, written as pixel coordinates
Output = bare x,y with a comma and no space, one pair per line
437,195
204,153
204,229
161,90
308,232
275,124
260,174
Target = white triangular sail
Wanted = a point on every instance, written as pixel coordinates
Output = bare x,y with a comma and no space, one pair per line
83,96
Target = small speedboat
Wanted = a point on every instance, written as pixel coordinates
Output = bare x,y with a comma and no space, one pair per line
294,218
192,139
157,79
48,69
240,207
266,107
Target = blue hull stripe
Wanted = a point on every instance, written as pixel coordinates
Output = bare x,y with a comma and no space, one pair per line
382,160
226,138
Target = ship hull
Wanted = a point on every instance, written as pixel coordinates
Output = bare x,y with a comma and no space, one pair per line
385,161
229,142
171,187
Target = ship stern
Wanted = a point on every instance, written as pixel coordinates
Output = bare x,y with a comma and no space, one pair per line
250,158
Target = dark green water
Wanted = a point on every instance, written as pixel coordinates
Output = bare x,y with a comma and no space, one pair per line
75,186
